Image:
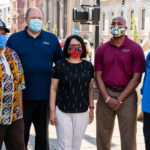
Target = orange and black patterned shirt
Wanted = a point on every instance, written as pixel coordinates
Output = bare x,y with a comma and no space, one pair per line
11,81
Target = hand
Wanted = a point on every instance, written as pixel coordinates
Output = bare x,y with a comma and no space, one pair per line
114,104
91,116
21,109
53,118
120,104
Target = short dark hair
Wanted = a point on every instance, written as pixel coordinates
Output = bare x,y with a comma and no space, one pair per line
67,42
29,9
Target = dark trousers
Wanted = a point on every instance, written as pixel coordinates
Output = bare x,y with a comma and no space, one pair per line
146,130
13,135
36,112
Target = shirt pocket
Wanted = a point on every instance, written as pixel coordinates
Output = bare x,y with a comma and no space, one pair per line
125,57
125,61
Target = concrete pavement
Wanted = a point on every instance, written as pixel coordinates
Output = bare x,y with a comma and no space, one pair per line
89,141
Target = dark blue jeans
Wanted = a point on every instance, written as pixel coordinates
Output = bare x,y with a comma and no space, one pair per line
146,130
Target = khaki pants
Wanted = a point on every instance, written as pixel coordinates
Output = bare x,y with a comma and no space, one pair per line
127,115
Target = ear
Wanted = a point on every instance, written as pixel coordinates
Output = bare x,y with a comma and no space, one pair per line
43,22
26,21
126,28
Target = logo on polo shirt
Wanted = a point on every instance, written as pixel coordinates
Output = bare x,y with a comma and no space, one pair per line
126,50
1,24
46,43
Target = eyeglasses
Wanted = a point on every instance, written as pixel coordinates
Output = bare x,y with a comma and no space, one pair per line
73,45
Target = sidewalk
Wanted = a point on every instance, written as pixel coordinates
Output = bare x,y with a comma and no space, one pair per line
89,141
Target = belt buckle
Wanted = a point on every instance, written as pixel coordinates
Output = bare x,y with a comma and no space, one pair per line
117,88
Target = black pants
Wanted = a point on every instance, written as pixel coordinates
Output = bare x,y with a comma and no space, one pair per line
146,130
36,112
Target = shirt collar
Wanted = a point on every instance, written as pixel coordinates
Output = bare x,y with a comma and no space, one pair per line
28,35
124,44
1,50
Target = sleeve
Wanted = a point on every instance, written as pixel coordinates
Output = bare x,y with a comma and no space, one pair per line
58,54
138,60
56,70
147,59
21,80
91,70
98,60
20,72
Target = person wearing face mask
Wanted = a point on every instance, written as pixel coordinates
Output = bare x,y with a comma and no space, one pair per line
37,50
11,86
71,95
119,64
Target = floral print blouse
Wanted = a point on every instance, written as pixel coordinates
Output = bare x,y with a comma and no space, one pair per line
11,81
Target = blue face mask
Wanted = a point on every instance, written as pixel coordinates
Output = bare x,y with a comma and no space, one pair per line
35,25
3,40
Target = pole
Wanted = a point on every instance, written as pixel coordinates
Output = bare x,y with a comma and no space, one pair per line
96,36
97,29
98,2
58,18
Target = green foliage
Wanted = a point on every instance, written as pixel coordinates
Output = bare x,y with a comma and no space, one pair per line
46,28
54,30
134,30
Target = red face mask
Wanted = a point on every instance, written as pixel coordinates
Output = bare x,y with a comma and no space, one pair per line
75,52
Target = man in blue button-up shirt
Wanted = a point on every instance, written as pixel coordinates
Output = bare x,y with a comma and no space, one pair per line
37,50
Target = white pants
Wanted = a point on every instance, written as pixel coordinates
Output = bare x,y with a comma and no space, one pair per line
70,129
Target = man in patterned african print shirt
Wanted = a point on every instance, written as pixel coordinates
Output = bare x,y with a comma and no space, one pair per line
11,86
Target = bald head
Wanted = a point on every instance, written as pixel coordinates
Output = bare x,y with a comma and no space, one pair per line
33,9
34,19
34,13
119,19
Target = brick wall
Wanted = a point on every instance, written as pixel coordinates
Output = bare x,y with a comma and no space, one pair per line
19,8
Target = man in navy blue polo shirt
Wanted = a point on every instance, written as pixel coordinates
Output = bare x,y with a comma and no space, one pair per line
37,50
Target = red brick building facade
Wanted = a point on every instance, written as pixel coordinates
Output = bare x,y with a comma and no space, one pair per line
19,8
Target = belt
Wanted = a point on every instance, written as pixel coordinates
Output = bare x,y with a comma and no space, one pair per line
116,89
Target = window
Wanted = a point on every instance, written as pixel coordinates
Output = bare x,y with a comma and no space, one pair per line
8,8
122,13
143,19
132,19
8,20
103,21
112,15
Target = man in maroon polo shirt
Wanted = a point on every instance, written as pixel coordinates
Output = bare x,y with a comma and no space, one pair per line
119,64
